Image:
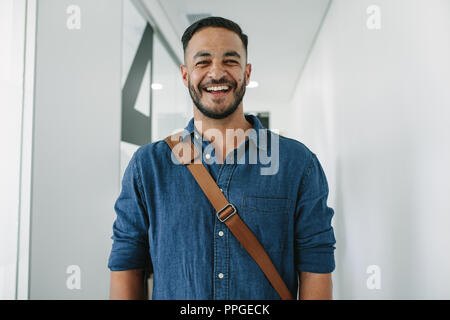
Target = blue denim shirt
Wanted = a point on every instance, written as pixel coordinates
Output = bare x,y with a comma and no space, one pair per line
165,223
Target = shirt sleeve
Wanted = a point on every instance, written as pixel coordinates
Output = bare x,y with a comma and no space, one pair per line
314,236
130,249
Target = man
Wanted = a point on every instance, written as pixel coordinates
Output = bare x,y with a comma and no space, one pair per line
165,224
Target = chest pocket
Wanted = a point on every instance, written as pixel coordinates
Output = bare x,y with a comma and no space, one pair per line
268,218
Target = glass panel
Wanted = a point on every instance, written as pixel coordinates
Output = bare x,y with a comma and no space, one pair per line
171,105
136,82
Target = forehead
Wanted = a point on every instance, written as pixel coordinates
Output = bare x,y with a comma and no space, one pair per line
214,40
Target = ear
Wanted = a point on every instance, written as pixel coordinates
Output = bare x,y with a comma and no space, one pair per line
248,72
184,75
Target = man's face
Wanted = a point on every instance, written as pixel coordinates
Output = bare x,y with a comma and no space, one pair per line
216,71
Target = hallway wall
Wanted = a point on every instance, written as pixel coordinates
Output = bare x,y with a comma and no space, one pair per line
76,147
12,40
374,105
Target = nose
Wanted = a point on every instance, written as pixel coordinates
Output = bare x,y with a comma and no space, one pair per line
216,71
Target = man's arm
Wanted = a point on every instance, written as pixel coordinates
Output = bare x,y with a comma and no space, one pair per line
129,257
315,286
314,235
127,285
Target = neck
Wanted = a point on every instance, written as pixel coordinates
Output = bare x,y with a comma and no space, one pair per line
214,130
205,125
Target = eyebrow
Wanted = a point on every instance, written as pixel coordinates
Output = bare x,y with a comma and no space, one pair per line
226,54
232,54
202,54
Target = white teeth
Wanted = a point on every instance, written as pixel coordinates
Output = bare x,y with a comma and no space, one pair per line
217,88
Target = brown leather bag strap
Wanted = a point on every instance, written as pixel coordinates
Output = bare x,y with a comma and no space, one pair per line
227,212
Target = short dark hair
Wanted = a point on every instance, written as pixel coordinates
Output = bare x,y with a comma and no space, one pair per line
217,22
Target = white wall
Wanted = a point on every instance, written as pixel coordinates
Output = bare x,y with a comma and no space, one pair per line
12,31
374,105
76,148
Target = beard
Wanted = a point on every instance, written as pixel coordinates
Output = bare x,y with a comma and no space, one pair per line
208,111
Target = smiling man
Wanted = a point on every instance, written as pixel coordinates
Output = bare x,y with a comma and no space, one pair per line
216,73
166,225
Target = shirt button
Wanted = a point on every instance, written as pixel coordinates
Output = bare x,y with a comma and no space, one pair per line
196,136
207,156
220,275
221,233
221,190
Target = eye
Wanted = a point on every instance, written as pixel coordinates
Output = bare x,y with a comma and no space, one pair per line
202,62
231,61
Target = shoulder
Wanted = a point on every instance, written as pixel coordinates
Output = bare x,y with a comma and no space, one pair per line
292,151
150,155
152,149
306,162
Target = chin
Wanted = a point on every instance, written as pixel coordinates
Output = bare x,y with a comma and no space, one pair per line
216,107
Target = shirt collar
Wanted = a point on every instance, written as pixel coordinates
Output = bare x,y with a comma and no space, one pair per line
254,136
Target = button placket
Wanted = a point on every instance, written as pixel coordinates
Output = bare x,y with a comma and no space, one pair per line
221,246
220,262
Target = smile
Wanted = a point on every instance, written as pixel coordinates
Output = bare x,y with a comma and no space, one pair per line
218,91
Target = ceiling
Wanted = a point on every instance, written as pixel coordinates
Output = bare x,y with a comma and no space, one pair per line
280,33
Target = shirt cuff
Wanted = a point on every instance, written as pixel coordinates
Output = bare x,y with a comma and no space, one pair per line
129,259
316,260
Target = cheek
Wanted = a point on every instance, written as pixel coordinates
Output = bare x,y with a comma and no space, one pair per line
241,76
196,79
241,80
